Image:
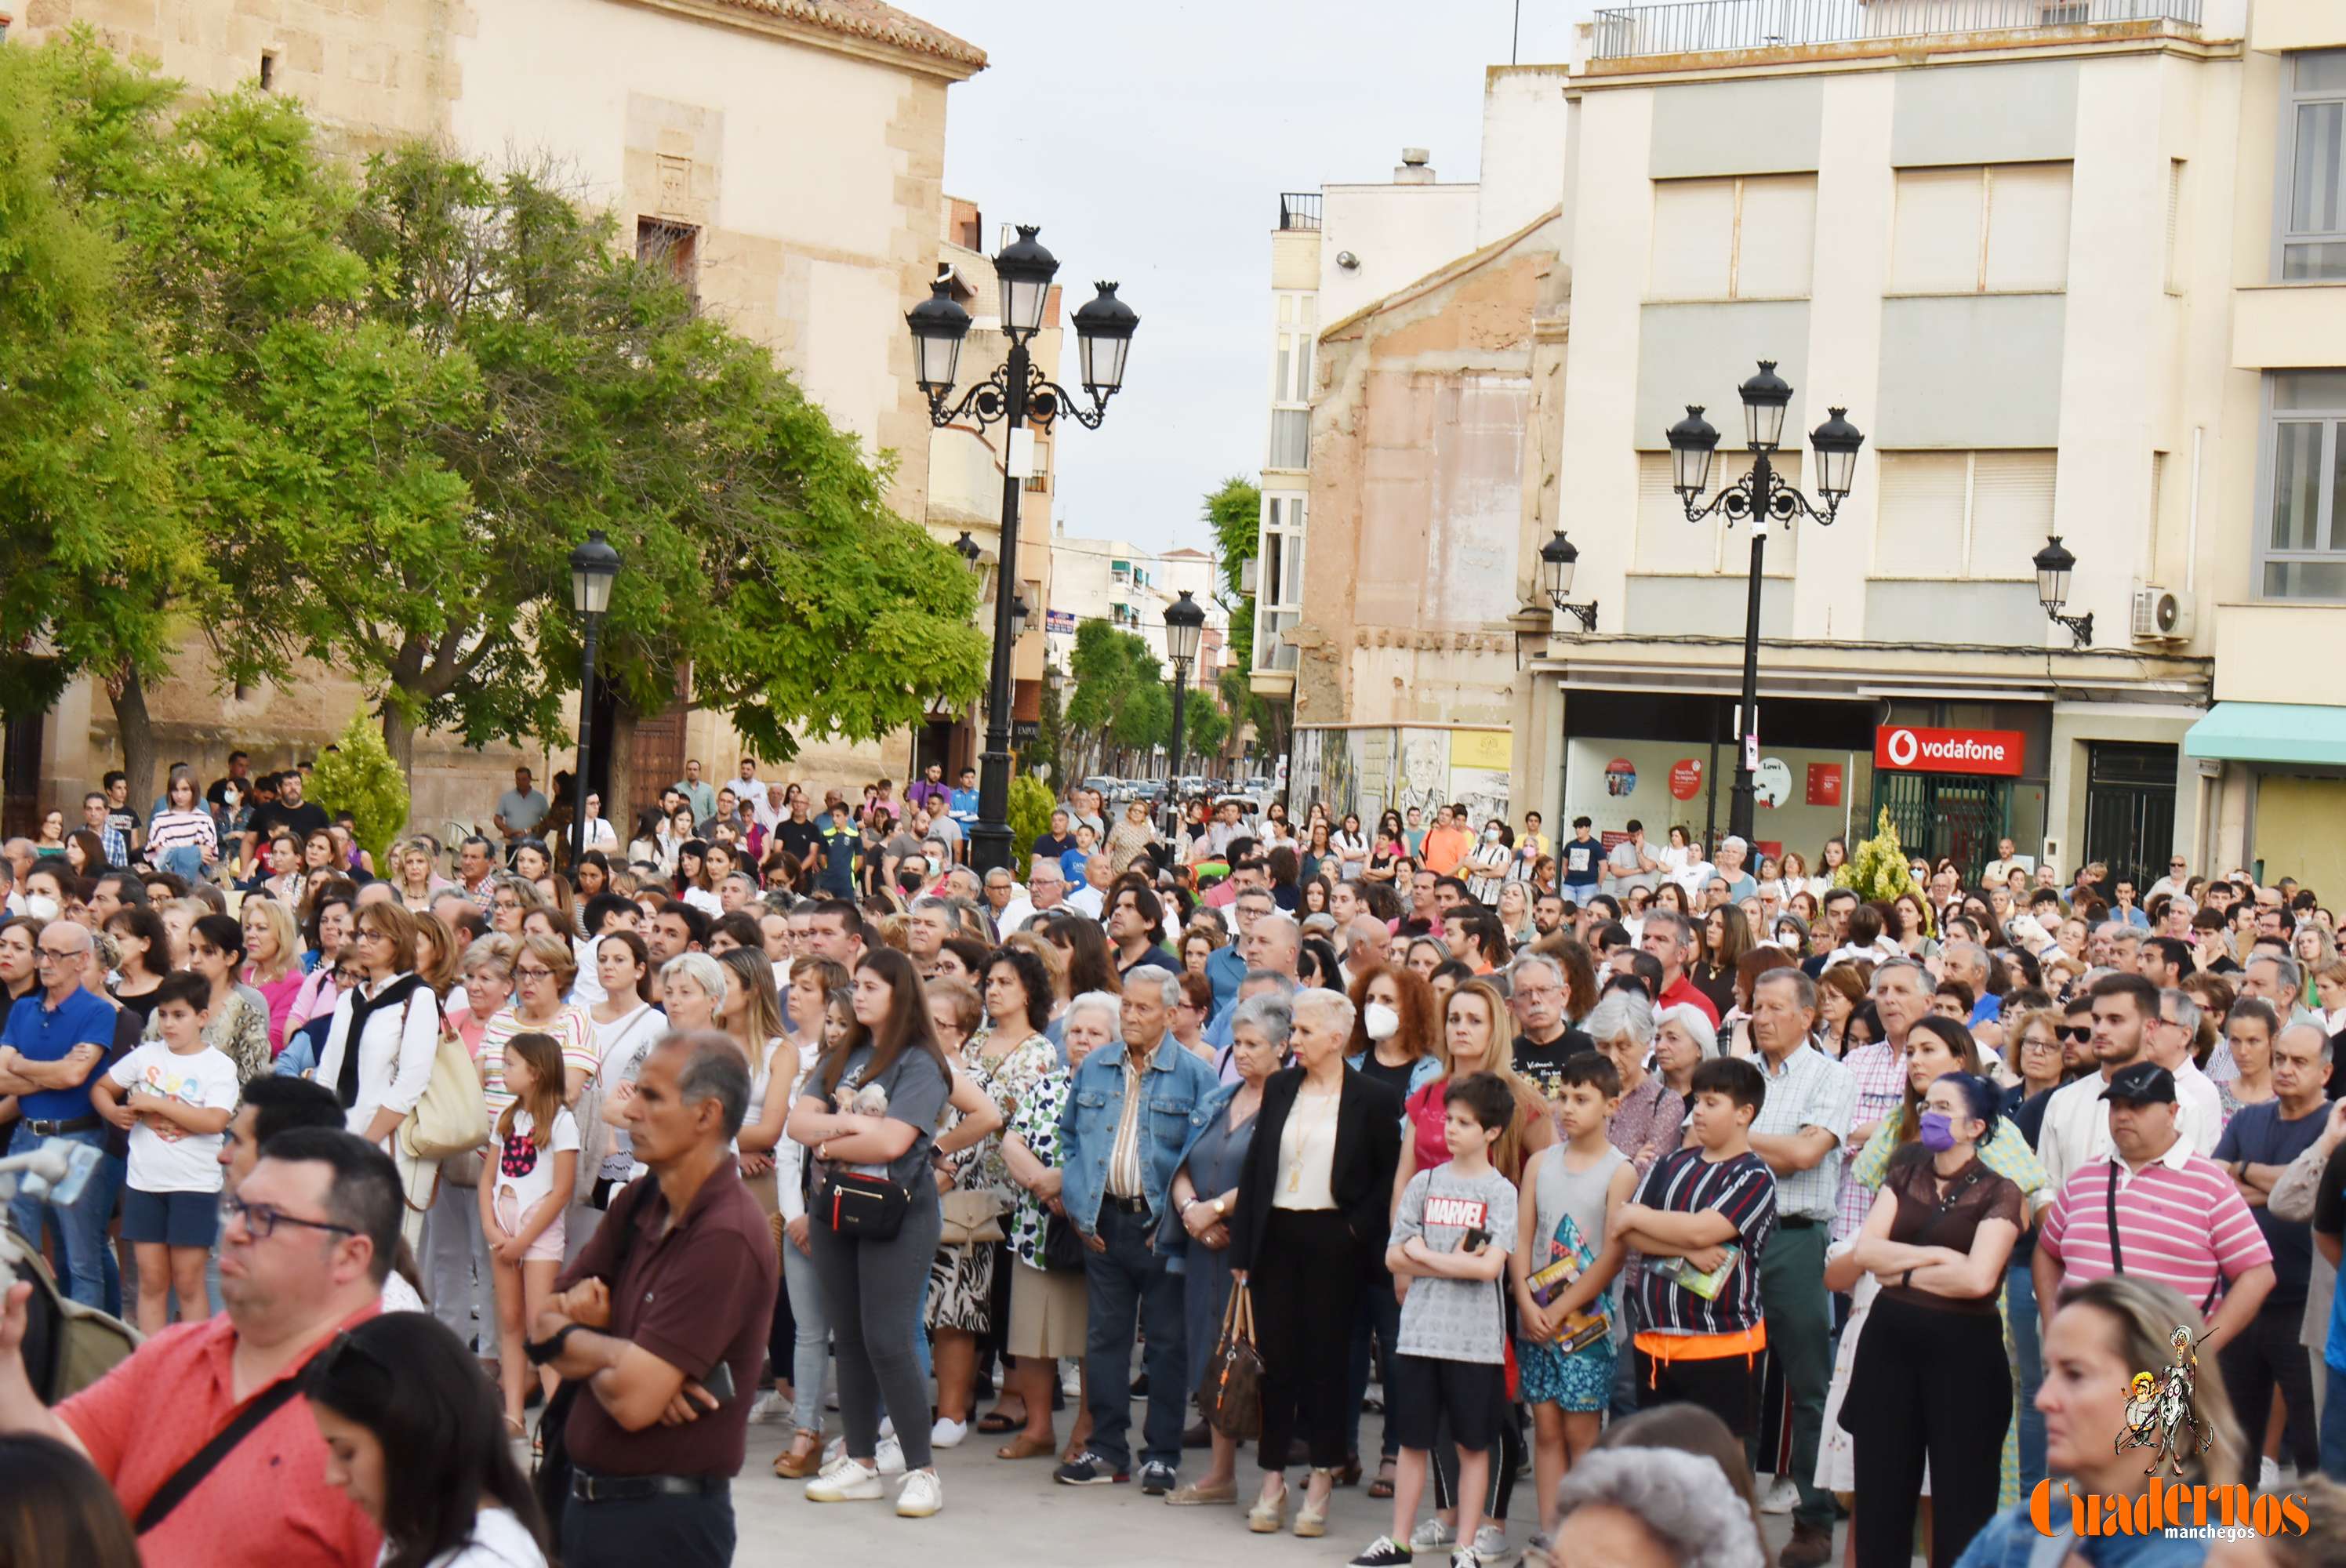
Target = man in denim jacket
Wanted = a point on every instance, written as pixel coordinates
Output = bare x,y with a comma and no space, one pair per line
1121,1136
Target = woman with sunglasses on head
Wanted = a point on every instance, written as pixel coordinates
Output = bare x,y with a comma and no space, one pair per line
411,1435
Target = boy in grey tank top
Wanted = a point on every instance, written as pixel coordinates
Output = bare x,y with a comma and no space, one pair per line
1562,1272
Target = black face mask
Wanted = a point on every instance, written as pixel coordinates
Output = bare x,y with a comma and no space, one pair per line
909,880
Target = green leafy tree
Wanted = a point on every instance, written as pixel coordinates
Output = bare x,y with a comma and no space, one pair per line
1030,817
1234,510
1047,750
1120,704
1876,869
1204,728
358,776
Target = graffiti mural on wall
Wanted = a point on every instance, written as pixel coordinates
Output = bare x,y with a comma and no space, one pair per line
1365,770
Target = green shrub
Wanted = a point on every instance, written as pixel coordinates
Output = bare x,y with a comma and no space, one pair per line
358,776
1876,869
1030,817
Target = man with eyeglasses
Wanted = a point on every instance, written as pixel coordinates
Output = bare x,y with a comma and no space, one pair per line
55,1038
306,1243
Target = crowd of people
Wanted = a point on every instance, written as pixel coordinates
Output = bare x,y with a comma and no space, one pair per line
1851,1210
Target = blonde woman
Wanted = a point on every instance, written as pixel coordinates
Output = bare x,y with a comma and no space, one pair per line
414,882
1475,1038
751,1013
272,955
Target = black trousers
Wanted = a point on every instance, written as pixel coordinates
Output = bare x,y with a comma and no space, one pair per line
672,1532
1725,1386
1930,1385
1306,1287
2266,1356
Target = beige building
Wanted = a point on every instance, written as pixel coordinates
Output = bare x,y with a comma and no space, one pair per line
789,154
2071,272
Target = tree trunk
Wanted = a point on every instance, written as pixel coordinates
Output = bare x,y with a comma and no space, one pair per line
399,739
137,727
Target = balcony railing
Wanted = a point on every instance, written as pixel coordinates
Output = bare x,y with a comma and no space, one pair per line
1299,210
1696,26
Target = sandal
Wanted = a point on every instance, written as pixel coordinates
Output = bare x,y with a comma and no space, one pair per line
1026,1446
516,1428
995,1421
791,1465
1383,1484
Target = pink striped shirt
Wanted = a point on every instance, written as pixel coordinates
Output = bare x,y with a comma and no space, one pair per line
2180,1222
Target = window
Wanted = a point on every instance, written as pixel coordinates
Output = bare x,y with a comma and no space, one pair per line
2313,151
268,70
1977,514
1291,382
1669,545
675,246
1752,237
1278,581
1985,230
2177,256
2302,553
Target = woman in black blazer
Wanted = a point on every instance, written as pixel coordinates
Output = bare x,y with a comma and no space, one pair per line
1314,1205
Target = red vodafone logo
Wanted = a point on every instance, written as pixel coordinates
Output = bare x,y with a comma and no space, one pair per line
1907,749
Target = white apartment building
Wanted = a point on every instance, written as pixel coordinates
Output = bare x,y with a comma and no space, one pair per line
1116,581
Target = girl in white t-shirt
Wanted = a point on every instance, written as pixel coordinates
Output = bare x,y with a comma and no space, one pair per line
532,1168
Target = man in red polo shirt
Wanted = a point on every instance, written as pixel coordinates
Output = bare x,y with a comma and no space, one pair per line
1669,939
306,1243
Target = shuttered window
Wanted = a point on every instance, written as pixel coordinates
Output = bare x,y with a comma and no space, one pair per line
1669,545
1983,228
1750,237
1976,514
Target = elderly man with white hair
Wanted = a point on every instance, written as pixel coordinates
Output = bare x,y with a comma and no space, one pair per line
1129,1111
1314,1212
1655,1508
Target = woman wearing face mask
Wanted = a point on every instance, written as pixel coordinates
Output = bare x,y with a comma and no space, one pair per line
1934,1243
1486,868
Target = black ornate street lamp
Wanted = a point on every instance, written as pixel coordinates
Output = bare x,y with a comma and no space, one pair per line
1758,498
1559,559
1185,621
592,567
2054,564
1016,395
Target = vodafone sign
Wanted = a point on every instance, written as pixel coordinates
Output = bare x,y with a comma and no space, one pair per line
1905,750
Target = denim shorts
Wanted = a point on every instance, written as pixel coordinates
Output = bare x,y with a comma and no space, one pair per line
171,1218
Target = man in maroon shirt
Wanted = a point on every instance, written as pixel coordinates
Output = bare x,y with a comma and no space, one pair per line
674,1292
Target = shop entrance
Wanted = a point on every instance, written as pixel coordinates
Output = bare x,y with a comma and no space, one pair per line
2130,809
1951,816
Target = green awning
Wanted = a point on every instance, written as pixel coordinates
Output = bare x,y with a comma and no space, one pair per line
2271,732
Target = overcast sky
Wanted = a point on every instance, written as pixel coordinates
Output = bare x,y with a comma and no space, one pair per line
1152,142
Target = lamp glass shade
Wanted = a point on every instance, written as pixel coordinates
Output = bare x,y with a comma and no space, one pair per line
1018,616
1104,329
1765,397
1835,443
938,324
2054,564
1559,559
1692,441
1185,621
592,567
1025,270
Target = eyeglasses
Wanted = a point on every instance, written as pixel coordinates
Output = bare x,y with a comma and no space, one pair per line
2073,1031
51,955
261,1219
532,972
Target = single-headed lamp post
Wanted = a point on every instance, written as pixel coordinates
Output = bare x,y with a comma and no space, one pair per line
1017,396
592,567
2054,564
1758,498
1559,559
1185,621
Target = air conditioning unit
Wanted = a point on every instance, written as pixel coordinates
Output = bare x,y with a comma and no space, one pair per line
2161,615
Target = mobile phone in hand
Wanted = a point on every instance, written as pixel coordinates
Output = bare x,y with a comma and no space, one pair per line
1476,1239
720,1381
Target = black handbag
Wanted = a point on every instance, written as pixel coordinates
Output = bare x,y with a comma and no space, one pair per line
1063,1248
864,1207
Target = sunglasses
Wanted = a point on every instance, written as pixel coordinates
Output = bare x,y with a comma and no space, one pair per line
2072,1032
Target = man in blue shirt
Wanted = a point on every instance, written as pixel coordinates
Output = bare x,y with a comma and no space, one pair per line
49,1050
962,804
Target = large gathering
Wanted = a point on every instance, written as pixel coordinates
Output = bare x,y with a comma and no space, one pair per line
472,1207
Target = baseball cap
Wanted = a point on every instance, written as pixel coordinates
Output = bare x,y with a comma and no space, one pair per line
2141,1084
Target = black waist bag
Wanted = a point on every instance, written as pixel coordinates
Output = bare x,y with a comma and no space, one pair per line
864,1207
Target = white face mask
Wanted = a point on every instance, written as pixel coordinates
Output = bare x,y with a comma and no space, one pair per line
42,907
1381,1021
1491,835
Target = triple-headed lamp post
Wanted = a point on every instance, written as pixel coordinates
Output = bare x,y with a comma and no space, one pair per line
1758,498
1015,396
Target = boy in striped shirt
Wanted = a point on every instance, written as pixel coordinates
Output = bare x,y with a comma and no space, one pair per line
2158,1210
1701,1219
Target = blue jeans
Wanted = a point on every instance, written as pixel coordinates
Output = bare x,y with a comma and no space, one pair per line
2333,1425
1130,1286
2029,1371
81,1229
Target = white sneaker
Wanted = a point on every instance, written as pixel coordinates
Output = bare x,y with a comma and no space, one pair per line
889,1454
947,1432
1783,1496
771,1407
2268,1476
1071,1378
1491,1546
1433,1536
920,1495
845,1481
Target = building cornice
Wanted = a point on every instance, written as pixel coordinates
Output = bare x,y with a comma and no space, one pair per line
1893,55
861,28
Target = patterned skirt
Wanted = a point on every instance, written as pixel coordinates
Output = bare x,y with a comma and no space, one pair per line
960,1288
